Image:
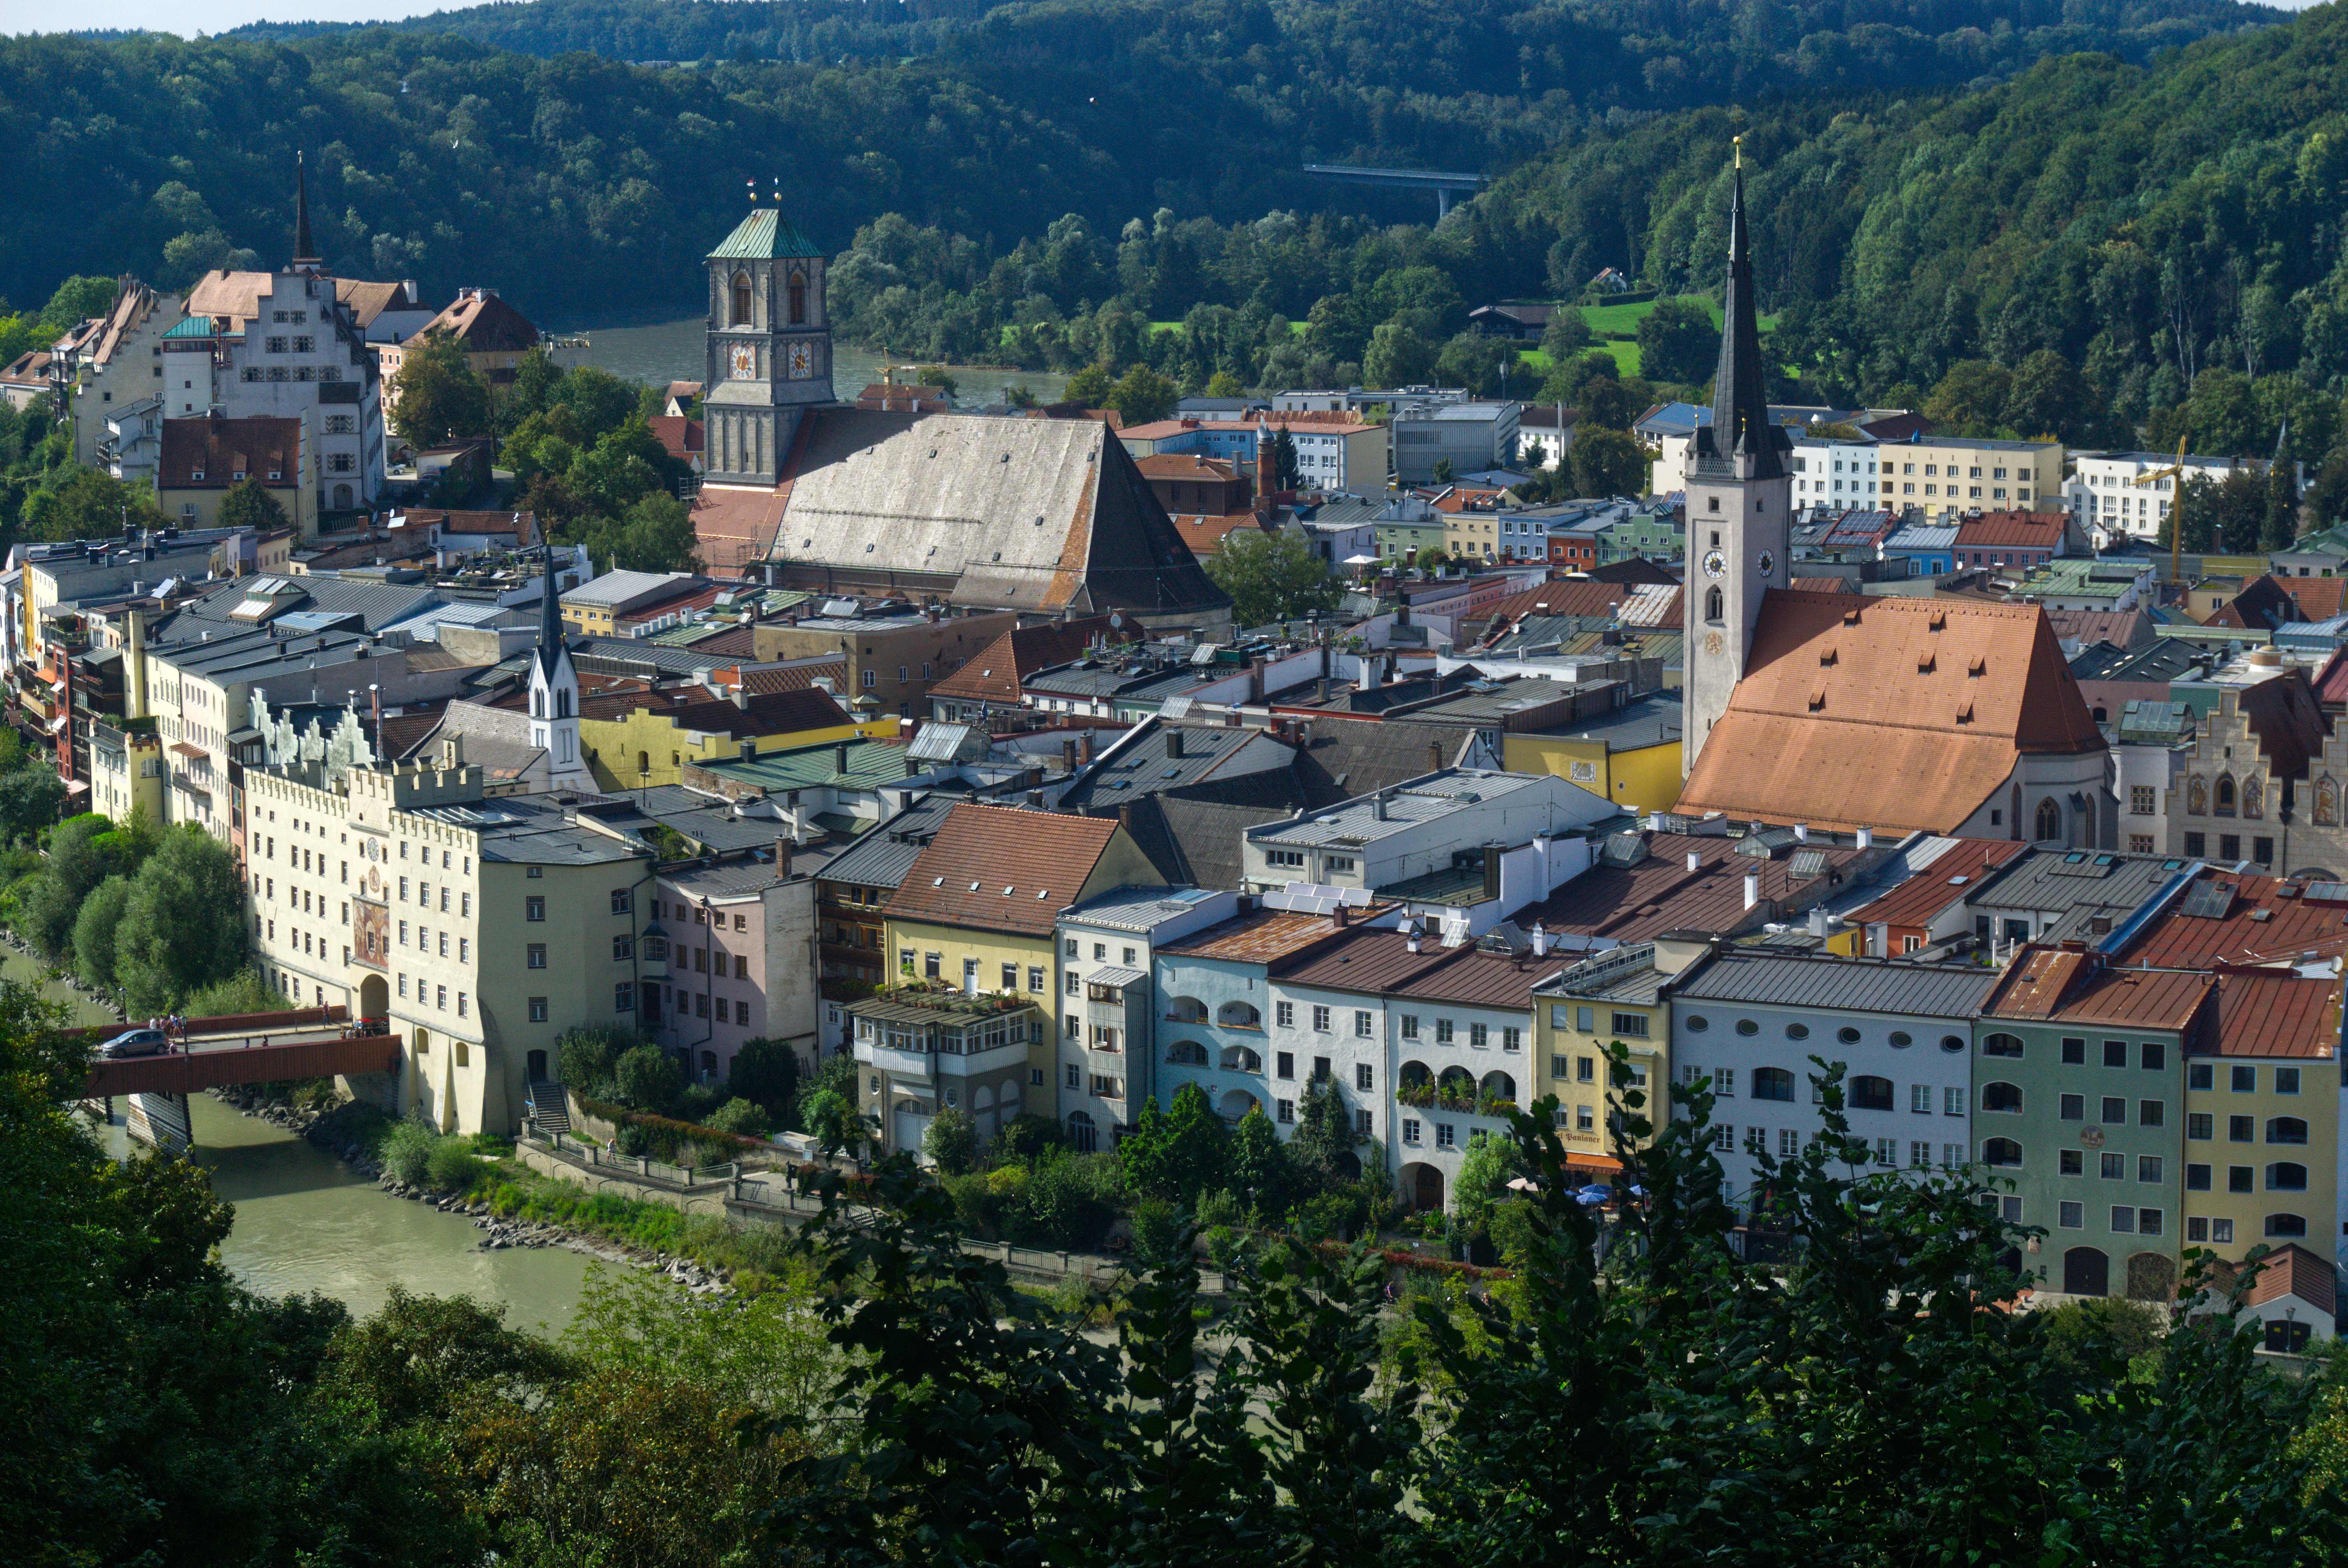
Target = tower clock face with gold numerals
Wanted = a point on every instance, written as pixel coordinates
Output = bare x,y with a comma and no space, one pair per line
801,361
742,363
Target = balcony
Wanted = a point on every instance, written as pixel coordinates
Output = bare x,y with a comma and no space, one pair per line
895,1063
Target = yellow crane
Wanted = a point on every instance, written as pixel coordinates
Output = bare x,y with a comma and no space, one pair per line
2175,523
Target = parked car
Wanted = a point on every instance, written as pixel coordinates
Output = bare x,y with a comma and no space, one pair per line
136,1042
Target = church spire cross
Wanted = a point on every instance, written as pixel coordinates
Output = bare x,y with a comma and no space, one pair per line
1741,426
550,619
306,251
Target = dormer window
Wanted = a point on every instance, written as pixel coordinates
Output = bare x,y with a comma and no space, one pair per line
197,474
236,474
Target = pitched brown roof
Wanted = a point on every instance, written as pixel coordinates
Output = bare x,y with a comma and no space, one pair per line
1001,868
1205,532
368,300
795,676
2276,1013
2128,629
1887,712
2012,531
1953,875
256,447
993,674
2265,920
2286,718
1185,465
680,438
1659,893
484,323
2262,604
1567,596
234,294
764,714
2320,597
2073,986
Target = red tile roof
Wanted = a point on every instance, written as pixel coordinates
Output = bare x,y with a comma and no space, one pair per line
2266,921
1265,936
257,448
993,674
1205,532
999,869
2275,1012
2056,984
1887,712
1634,903
1954,875
2012,531
764,714
484,323
680,438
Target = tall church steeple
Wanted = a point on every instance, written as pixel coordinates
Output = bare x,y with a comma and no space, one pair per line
1741,426
1739,502
769,347
554,694
305,250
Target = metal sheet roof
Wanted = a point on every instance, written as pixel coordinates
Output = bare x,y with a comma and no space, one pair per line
1843,985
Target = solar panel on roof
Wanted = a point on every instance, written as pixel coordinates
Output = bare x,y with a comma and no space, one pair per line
2327,892
1809,862
2208,901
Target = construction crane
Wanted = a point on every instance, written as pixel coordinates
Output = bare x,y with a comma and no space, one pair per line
2176,521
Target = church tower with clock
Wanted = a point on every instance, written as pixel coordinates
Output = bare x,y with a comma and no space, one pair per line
1739,505
769,348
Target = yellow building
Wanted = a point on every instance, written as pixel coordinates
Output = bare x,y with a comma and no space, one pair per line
976,917
1621,995
1631,756
638,740
2261,1116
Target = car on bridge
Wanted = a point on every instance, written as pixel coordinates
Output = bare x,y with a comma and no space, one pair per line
136,1042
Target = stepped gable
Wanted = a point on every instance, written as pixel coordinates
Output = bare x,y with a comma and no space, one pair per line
1887,712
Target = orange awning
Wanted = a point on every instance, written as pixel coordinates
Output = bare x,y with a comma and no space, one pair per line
1605,1164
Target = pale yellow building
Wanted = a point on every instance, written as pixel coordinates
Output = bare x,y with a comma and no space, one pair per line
1631,756
636,740
478,935
1621,995
2261,1145
976,917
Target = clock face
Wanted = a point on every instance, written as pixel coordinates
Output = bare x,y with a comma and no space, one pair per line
742,361
801,361
1769,563
1714,563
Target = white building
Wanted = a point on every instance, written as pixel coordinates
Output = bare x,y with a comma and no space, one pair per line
1107,1025
2102,491
1440,824
1747,1022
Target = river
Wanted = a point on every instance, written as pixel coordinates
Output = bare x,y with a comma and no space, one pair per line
306,1222
663,352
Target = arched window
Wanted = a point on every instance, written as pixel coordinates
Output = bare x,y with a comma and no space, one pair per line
2286,1225
643,763
2001,1152
1870,1094
538,704
1239,1015
2225,795
2286,1130
2002,1097
562,703
1712,604
1240,1058
2002,1045
1499,1085
2050,821
740,314
1187,1052
798,299
2283,1176
1772,1083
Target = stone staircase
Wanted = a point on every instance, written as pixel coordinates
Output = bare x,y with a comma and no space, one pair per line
551,1106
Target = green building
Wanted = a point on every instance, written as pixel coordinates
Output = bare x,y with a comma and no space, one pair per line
2079,1102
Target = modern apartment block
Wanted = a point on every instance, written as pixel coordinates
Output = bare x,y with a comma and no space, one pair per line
1108,1010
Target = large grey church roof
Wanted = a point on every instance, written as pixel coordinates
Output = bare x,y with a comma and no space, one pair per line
1029,514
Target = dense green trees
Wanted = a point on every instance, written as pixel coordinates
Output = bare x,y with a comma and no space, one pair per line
436,395
183,924
1272,576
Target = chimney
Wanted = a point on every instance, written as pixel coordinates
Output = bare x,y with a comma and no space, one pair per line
1752,888
1867,838
741,695
1491,871
1034,800
452,752
1068,756
1540,941
1695,860
1819,921
783,847
1173,743
750,753
1084,749
1378,806
1337,917
1801,832
1435,756
1267,467
838,758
